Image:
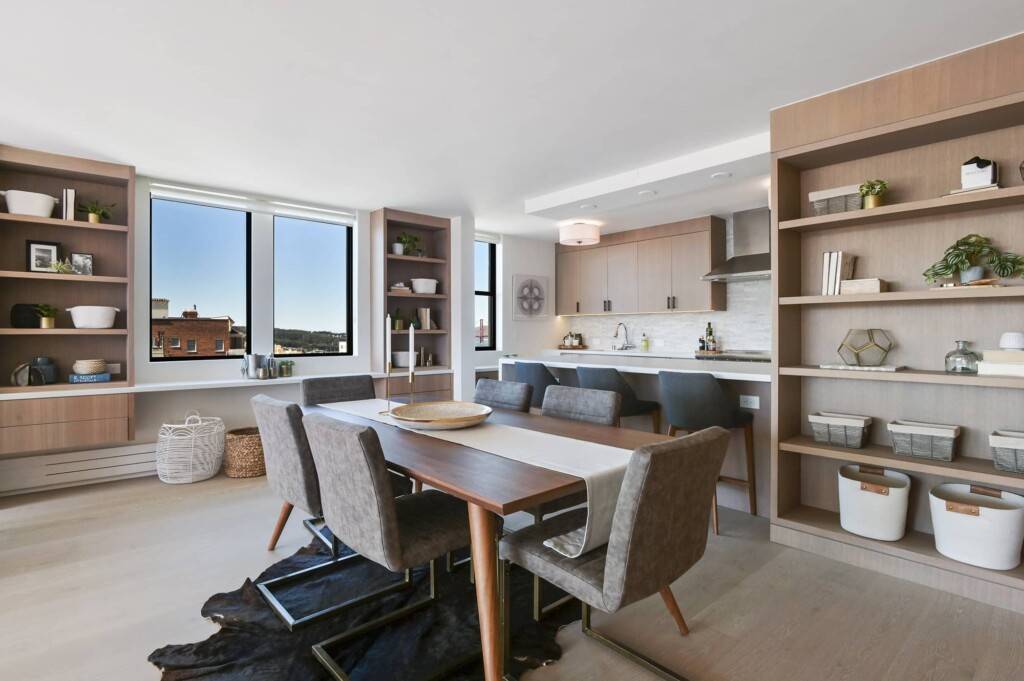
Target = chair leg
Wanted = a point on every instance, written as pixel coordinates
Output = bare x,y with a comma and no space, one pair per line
714,511
540,611
626,651
417,486
748,437
282,518
673,609
656,420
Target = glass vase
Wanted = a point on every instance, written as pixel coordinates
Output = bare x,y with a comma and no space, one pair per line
961,360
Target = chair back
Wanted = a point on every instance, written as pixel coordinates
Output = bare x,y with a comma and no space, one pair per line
337,389
538,376
579,404
503,394
602,378
695,401
290,468
355,488
660,526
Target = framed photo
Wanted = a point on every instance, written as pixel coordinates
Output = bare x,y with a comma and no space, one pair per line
41,256
530,296
81,263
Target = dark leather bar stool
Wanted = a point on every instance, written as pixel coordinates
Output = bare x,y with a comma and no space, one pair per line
596,378
694,402
538,376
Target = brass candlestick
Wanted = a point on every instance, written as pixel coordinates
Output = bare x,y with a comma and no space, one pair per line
412,382
387,388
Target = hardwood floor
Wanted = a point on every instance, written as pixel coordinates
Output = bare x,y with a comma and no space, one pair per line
95,578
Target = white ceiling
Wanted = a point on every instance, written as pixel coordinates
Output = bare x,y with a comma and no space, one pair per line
441,107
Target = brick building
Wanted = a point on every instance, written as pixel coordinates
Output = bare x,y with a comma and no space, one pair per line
193,336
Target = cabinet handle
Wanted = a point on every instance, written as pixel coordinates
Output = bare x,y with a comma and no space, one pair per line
609,306
673,302
668,302
577,306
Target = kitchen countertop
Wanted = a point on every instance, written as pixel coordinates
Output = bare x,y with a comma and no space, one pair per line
648,363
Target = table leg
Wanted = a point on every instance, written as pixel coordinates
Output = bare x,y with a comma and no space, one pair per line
482,528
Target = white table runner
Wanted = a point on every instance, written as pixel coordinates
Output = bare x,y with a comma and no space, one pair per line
601,467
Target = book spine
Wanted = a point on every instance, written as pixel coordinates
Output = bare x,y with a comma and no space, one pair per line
833,271
824,273
88,378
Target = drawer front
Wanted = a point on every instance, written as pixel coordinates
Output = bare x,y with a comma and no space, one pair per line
423,384
67,435
61,409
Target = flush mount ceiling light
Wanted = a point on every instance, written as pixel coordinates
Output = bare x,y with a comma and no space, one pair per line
579,233
646,193
721,175
588,206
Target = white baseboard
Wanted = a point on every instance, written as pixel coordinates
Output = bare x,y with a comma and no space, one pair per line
67,469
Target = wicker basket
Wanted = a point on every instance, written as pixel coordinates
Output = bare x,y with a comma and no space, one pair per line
243,454
924,440
1007,450
190,451
841,430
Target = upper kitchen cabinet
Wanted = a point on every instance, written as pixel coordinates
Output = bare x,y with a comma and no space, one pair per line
622,275
693,256
567,283
592,289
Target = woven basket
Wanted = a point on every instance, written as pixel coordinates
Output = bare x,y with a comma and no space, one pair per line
190,451
243,454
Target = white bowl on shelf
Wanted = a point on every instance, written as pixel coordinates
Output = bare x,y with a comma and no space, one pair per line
93,316
1011,340
400,358
29,203
424,286
87,367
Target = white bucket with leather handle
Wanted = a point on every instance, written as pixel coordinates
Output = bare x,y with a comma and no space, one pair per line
873,502
978,525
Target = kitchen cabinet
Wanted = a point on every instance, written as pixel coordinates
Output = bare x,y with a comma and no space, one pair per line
622,274
654,274
593,280
567,283
691,259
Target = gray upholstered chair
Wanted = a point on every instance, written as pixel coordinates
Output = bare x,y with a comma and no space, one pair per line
503,394
697,401
580,404
605,378
397,533
538,376
659,531
337,389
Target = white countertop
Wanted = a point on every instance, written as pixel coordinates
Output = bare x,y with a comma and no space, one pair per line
645,363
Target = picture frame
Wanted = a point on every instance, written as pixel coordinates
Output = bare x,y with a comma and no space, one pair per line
81,263
40,256
530,297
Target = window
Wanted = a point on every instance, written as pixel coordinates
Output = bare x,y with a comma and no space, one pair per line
485,326
312,287
218,345
199,279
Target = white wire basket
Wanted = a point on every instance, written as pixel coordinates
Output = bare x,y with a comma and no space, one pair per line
190,451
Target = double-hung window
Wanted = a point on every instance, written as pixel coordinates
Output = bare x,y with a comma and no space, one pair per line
485,308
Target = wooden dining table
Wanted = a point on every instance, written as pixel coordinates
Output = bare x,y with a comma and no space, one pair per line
491,486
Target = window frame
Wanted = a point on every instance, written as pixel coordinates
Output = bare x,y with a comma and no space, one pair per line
248,284
492,306
350,344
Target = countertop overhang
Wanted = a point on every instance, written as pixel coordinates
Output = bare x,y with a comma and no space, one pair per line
633,363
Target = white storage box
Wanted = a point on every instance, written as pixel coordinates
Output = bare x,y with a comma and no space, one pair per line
835,200
924,440
873,502
978,525
842,430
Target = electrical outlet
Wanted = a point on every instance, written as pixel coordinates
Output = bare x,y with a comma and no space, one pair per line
750,402
659,343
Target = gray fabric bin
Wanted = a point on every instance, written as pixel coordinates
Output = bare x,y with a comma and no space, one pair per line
1007,450
840,430
924,440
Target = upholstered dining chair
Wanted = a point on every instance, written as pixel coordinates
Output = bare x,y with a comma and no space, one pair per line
695,401
659,531
337,389
398,533
503,394
538,376
605,378
602,407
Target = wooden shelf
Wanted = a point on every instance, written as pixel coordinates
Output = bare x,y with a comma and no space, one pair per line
907,376
53,276
972,469
56,222
927,295
915,546
433,296
58,387
63,332
978,200
416,258
431,332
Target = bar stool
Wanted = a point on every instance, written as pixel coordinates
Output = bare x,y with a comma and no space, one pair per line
694,402
538,376
595,378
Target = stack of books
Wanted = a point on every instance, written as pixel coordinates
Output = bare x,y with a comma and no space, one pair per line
1002,363
835,267
89,378
67,204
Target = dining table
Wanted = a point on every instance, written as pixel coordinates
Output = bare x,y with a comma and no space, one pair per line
492,486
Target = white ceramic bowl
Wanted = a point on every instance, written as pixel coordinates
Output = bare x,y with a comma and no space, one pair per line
1012,340
93,316
447,415
400,358
29,203
424,285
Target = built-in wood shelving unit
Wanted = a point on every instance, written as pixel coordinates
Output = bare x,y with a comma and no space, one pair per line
417,258
56,222
63,332
917,143
59,387
69,278
430,332
427,296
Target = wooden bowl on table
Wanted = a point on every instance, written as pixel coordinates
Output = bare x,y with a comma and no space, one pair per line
447,415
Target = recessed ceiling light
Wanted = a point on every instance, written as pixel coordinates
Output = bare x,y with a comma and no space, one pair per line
721,175
646,193
588,206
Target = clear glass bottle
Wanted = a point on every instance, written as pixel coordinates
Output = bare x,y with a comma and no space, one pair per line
961,360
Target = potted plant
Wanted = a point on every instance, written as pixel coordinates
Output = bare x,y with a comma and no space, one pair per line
872,191
284,367
47,316
62,266
96,210
405,244
970,256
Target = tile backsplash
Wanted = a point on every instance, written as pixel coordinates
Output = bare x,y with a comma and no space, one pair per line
746,324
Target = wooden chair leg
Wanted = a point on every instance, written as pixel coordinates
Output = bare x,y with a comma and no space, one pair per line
656,420
748,436
714,512
282,518
673,609
417,486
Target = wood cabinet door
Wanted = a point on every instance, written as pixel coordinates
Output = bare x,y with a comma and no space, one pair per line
622,271
654,274
593,280
691,259
567,283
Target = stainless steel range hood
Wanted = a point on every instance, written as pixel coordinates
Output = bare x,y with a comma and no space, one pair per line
751,237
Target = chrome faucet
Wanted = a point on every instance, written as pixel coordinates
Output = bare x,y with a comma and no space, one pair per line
626,345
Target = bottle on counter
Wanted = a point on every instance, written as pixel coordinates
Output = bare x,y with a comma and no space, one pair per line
702,344
645,343
710,340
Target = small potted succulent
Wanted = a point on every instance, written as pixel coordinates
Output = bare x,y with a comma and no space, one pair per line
872,192
970,256
96,210
47,316
285,367
406,244
62,266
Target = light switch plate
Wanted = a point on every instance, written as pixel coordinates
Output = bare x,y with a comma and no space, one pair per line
750,402
113,368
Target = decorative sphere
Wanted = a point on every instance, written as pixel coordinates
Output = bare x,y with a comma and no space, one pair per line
865,347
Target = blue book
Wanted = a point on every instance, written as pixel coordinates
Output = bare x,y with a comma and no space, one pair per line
88,378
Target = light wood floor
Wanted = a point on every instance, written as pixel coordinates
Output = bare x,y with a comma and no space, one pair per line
94,578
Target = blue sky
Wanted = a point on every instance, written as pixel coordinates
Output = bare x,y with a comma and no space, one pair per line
309,275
